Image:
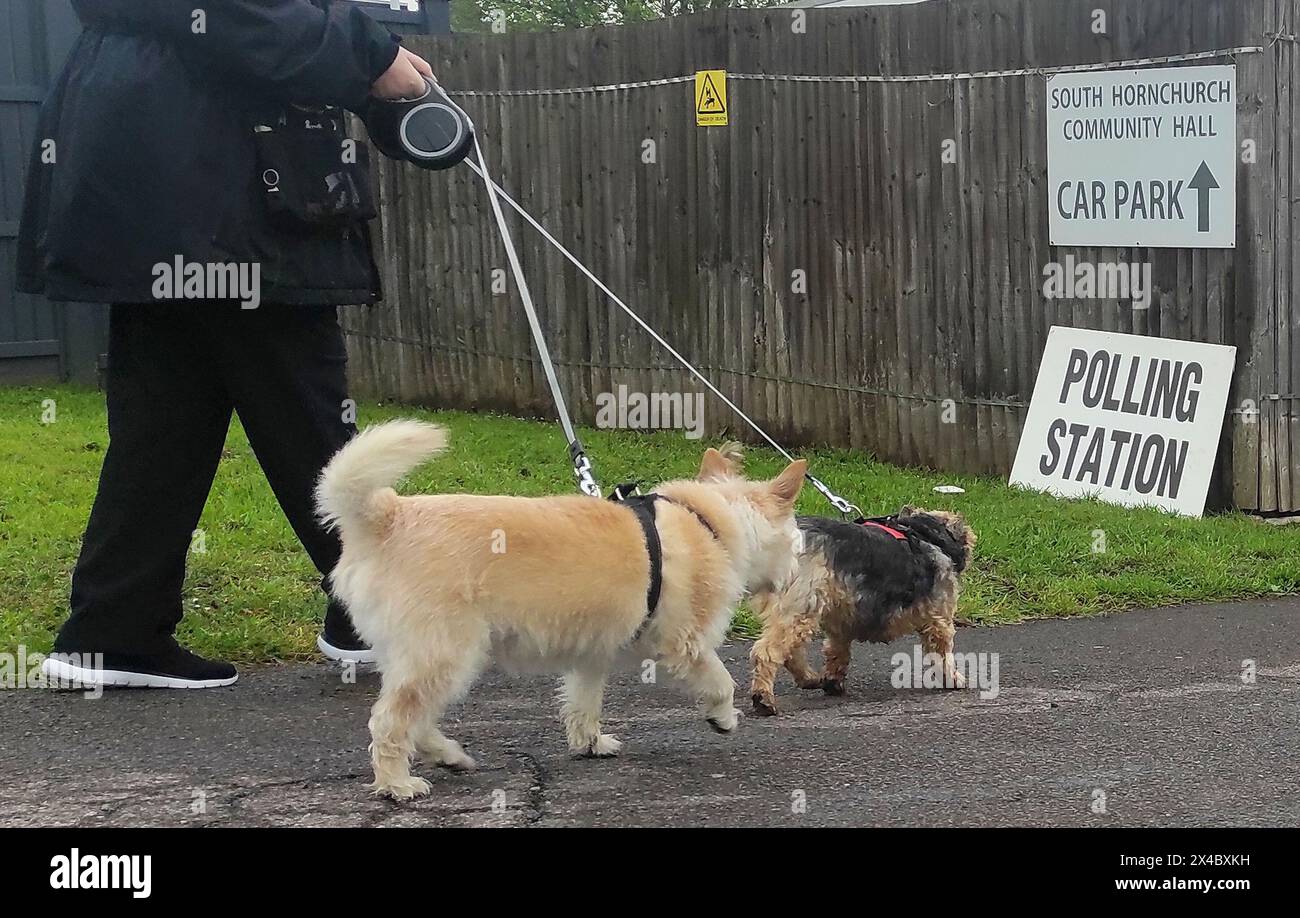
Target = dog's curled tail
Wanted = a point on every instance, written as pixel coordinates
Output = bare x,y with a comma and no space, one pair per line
354,491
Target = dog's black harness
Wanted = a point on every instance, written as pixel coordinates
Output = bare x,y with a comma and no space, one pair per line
643,505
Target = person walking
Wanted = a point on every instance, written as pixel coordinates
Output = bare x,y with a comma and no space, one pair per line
192,169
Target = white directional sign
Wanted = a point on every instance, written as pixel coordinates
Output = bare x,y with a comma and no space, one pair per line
1130,419
1143,157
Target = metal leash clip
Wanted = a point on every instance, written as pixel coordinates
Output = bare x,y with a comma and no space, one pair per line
583,471
849,511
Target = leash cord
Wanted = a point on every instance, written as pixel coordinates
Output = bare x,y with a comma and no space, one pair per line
582,466
495,195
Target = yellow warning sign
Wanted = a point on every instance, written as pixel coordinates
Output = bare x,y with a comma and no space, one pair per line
711,98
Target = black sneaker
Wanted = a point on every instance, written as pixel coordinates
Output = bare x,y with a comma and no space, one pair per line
339,640
173,667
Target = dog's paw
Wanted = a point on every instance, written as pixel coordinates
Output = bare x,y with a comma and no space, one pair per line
726,721
765,706
954,680
445,753
833,686
457,760
603,747
402,788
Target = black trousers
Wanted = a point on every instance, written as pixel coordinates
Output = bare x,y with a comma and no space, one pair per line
175,374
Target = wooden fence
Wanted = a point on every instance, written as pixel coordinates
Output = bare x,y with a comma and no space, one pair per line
817,258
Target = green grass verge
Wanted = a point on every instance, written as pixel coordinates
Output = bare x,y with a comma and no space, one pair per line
252,596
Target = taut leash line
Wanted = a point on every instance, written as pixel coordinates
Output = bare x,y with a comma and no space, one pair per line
839,503
581,464
582,467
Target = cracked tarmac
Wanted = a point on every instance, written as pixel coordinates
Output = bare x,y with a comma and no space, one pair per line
1148,709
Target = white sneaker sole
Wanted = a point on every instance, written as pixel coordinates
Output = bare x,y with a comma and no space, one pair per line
338,655
65,674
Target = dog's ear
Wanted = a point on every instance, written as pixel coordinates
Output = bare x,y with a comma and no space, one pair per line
786,486
734,453
962,532
714,466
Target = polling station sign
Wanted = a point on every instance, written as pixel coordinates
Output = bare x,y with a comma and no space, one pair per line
1143,157
1130,419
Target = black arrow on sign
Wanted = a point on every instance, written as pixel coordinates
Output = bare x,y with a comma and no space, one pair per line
1204,182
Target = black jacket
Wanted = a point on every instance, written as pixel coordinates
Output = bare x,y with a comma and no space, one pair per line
154,158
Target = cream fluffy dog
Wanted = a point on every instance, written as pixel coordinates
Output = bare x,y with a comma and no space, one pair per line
439,585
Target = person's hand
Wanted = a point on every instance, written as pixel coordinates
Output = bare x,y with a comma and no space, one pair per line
405,78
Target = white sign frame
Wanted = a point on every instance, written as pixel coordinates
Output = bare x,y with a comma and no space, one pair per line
1143,157
1176,454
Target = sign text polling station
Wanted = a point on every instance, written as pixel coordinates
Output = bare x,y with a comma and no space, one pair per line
1130,419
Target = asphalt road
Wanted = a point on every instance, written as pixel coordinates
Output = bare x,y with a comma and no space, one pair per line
1140,719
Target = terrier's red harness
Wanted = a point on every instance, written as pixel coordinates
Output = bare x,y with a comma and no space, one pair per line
889,529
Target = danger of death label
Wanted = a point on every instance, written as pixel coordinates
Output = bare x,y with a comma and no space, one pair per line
1143,157
711,98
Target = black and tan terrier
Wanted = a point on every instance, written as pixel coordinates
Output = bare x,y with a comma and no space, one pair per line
865,581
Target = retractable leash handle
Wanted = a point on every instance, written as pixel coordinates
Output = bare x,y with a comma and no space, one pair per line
429,130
